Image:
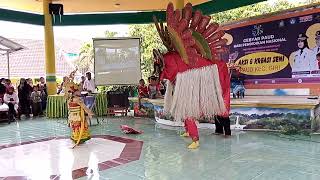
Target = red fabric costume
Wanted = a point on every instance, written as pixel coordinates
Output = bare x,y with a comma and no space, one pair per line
174,65
129,130
201,80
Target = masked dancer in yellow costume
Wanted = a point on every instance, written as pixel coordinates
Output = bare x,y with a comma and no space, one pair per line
77,112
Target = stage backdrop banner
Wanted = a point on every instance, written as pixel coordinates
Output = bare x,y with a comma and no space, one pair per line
117,61
282,48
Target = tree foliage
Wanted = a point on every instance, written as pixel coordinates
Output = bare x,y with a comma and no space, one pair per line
110,34
312,1
149,41
251,11
256,10
86,56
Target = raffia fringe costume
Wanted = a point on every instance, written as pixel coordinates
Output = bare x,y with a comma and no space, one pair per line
199,82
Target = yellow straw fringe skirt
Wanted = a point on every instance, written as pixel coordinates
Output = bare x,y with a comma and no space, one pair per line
78,124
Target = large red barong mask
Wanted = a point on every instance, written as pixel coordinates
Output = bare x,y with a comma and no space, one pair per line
192,65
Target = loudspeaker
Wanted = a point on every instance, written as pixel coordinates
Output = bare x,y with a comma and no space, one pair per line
56,9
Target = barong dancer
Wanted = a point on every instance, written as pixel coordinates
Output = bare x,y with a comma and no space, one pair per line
198,80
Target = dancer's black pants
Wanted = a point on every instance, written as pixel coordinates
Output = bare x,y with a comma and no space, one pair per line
223,125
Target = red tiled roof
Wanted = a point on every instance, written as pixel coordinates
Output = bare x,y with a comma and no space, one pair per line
30,62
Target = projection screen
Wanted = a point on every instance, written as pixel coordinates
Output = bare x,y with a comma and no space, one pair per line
117,61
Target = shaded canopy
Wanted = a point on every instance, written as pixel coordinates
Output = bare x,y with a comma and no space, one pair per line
101,12
7,45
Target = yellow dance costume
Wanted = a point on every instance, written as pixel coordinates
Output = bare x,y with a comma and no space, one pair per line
77,113
78,123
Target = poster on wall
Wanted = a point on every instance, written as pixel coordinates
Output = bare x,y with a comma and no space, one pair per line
279,119
281,47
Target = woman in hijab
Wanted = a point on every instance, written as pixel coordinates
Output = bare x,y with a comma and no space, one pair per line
24,98
11,99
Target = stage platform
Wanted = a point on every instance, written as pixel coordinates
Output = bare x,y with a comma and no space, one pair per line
290,102
274,113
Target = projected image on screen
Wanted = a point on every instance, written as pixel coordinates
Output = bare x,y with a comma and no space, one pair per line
117,61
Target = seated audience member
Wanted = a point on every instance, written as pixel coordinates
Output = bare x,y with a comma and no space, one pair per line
153,89
2,89
149,80
4,108
160,86
142,89
12,100
3,81
36,101
7,84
